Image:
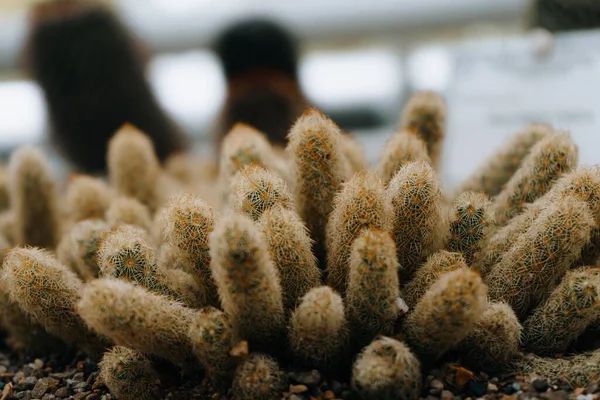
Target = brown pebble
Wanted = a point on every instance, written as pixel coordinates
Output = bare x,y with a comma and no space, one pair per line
329,395
62,392
42,386
578,391
240,350
7,375
93,396
7,391
298,388
81,396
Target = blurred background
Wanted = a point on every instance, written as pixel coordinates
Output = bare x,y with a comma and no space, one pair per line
358,62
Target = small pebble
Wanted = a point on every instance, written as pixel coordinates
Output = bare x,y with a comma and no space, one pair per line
78,377
585,397
309,378
42,386
447,395
38,364
540,385
328,395
298,389
62,392
436,384
81,396
336,387
297,397
558,395
477,389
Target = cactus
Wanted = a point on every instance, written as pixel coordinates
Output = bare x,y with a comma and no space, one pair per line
132,316
243,146
128,211
87,198
570,309
255,189
125,254
33,199
133,167
402,148
354,154
472,224
79,247
419,225
373,288
247,280
494,341
318,330
314,144
387,370
128,374
576,371
4,189
549,159
492,176
289,246
436,265
48,292
188,222
360,204
212,337
503,239
7,226
446,314
424,115
258,377
541,255
23,333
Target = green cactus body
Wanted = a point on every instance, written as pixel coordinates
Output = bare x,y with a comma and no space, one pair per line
212,337
33,199
492,176
424,115
188,221
258,377
87,198
446,314
494,341
576,371
373,288
48,292
436,265
548,160
132,316
387,370
402,148
472,223
318,329
255,189
128,211
541,256
131,154
247,280
289,246
128,374
420,226
360,204
570,309
319,170
79,247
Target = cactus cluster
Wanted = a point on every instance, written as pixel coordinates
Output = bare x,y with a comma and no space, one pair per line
306,258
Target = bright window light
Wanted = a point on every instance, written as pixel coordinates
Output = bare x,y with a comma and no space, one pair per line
22,113
190,86
338,79
430,68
